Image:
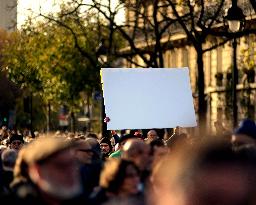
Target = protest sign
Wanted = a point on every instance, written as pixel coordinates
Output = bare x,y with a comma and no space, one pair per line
144,98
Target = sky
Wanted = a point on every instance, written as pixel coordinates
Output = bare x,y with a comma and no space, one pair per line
26,7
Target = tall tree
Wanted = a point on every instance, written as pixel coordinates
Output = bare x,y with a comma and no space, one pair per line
44,58
197,18
150,25
146,34
148,31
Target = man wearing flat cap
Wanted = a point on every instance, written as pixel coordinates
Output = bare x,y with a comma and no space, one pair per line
46,172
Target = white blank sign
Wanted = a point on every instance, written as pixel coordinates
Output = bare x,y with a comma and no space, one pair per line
144,98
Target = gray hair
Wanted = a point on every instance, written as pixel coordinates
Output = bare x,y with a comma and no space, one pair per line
9,157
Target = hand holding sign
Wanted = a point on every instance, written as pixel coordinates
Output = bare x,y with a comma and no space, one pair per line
107,119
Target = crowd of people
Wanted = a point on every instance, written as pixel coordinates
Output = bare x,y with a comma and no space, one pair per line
129,168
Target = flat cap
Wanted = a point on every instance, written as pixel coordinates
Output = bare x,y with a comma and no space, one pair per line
45,147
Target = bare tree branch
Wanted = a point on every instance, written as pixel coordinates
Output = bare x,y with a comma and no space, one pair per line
222,43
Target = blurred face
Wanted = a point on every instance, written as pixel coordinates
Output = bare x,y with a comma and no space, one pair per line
83,154
143,159
131,182
16,144
104,148
152,135
59,176
218,187
213,185
159,152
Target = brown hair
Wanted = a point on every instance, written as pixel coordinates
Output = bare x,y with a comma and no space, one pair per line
114,173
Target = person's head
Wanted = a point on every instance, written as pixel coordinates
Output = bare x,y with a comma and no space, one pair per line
152,135
4,133
245,133
87,151
158,149
137,151
210,174
92,135
105,145
120,177
95,147
51,166
16,141
83,152
8,158
124,138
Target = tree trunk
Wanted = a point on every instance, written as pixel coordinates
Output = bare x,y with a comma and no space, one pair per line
73,122
48,116
89,111
202,106
31,115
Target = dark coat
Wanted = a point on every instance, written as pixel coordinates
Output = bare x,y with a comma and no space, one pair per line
27,193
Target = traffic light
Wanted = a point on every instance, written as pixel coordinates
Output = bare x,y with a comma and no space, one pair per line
4,121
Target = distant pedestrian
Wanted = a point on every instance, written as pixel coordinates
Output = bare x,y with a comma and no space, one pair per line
16,141
119,180
106,147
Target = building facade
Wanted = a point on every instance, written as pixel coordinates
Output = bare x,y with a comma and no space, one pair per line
8,14
217,69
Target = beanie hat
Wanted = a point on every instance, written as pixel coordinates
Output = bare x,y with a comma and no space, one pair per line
247,127
126,137
107,141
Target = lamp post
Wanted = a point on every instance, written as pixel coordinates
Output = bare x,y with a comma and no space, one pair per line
235,19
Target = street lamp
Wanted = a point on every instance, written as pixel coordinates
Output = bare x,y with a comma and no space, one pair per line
235,19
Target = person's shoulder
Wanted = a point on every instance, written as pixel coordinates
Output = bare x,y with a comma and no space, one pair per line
115,154
98,196
8,199
78,200
14,199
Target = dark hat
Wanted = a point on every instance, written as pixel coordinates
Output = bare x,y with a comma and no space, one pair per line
14,137
247,127
107,141
126,137
45,147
